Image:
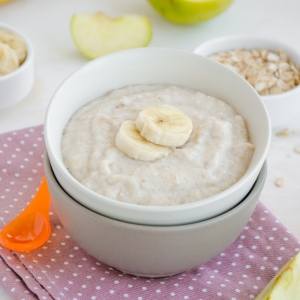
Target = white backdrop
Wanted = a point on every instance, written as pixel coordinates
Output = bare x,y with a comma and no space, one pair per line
46,23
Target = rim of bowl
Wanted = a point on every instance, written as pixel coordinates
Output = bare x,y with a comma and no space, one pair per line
29,49
144,208
254,38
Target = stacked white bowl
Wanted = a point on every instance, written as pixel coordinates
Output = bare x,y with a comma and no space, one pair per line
153,232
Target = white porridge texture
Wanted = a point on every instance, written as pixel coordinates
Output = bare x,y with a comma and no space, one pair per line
216,155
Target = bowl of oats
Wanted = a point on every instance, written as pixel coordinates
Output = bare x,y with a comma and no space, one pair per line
132,138
270,66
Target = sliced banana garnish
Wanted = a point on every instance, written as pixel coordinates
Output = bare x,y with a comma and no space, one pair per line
164,125
286,284
130,142
8,59
15,42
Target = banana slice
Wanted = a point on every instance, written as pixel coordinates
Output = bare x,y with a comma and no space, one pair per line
164,125
15,42
130,142
8,59
286,284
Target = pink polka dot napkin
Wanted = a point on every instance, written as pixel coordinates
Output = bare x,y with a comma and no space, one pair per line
61,270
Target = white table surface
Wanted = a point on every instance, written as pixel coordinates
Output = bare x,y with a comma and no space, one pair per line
46,23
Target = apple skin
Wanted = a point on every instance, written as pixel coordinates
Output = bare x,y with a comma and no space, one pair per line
3,1
190,11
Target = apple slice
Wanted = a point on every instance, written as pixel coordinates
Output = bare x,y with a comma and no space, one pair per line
286,284
97,34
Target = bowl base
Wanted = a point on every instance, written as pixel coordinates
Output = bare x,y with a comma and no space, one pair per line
150,251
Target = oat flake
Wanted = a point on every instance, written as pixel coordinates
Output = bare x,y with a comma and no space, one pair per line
280,182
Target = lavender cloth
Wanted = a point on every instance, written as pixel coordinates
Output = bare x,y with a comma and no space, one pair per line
61,270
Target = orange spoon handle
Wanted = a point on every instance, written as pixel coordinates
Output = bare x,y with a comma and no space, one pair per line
41,200
31,228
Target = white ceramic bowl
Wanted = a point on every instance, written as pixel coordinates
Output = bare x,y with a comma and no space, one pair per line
281,107
156,66
16,85
151,251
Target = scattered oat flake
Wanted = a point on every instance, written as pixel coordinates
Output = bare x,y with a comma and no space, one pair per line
297,149
279,182
284,133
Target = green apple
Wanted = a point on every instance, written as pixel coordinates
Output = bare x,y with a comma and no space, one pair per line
96,34
286,284
190,11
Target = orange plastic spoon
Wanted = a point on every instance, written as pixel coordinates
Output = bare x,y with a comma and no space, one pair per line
31,228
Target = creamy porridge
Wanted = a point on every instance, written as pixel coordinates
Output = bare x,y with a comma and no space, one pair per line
215,156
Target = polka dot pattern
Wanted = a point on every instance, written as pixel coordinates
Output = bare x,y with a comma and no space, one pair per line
60,269
13,283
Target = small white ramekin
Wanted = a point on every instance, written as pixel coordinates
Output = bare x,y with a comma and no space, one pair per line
281,107
16,85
